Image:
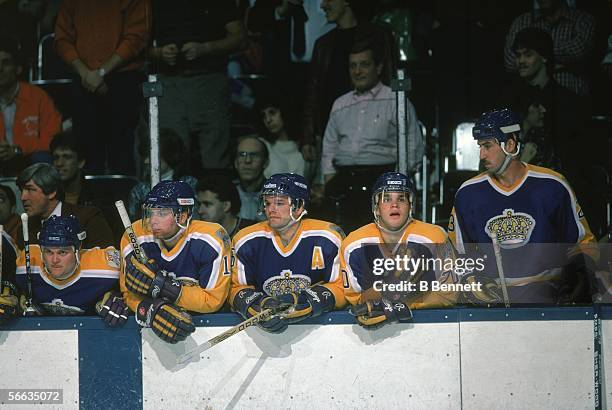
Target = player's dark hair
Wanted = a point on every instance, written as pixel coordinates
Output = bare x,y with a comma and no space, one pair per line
68,140
45,176
9,194
224,188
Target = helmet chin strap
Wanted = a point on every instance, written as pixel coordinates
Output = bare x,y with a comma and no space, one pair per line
293,220
504,165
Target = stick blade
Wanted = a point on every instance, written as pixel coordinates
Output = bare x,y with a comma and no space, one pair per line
194,353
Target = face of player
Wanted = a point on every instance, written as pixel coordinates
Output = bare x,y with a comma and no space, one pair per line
529,63
333,9
163,222
250,161
365,73
59,261
35,201
211,209
491,154
67,163
278,210
9,71
394,209
273,120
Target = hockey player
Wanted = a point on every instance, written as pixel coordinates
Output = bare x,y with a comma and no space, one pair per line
521,204
9,303
188,265
68,280
372,289
287,260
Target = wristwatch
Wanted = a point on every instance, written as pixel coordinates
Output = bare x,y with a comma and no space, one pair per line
101,72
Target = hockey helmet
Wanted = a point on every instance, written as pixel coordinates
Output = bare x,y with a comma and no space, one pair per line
175,195
60,231
499,124
292,185
391,182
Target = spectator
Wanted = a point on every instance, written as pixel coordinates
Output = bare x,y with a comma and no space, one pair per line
194,39
104,43
42,196
29,118
552,115
289,30
361,137
69,160
572,32
172,158
252,158
279,137
219,202
7,206
329,77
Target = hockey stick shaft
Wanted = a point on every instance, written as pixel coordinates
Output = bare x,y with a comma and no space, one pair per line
260,317
597,358
127,224
1,240
500,270
26,249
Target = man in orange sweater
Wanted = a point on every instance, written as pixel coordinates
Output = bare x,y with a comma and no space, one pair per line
103,41
29,118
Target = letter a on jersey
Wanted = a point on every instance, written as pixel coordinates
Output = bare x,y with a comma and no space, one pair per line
317,259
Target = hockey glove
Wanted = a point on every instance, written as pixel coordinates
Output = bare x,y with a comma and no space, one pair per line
249,303
310,302
9,302
113,309
169,322
148,280
490,292
34,310
374,313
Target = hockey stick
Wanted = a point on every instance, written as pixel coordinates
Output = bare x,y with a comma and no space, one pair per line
29,311
500,270
127,224
597,357
1,240
260,317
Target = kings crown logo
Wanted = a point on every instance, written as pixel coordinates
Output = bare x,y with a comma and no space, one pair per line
513,229
286,282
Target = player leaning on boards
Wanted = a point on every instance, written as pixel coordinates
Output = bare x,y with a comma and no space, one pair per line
68,280
522,205
9,296
287,260
188,266
395,233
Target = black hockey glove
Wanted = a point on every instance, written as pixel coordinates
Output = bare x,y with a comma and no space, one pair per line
169,322
9,303
113,309
375,313
148,280
310,302
490,292
249,303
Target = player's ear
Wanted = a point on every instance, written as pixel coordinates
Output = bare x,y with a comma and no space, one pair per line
227,205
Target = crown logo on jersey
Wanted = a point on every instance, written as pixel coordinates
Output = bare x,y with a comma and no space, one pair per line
513,229
284,283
